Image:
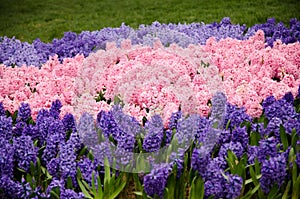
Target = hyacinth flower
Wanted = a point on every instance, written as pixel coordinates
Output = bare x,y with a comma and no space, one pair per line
273,172
24,112
154,134
15,52
200,160
43,121
235,116
87,131
56,136
55,109
25,152
87,168
11,189
186,131
156,180
67,162
6,158
236,147
6,127
267,148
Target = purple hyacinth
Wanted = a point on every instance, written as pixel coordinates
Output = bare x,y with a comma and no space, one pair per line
236,147
2,109
32,131
126,141
55,137
87,131
75,140
225,137
174,119
17,53
11,189
25,151
200,160
233,186
214,187
203,127
6,127
30,192
218,109
55,109
168,136
103,150
252,153
19,127
267,148
298,94
298,159
280,109
187,129
214,180
288,97
291,124
107,124
274,31
154,134
43,121
55,183
69,193
268,101
69,122
273,172
240,135
24,112
87,168
156,180
67,161
53,167
236,116
178,160
274,126
6,158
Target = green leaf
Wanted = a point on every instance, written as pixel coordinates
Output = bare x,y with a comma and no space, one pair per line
287,189
107,176
294,138
29,178
255,189
137,182
83,189
254,177
117,191
171,184
139,193
272,194
251,192
227,125
296,190
254,138
93,184
53,194
283,137
69,183
197,189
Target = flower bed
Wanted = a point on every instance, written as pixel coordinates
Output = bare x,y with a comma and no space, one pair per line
217,120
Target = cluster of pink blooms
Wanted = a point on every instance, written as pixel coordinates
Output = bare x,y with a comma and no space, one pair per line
40,87
252,72
159,79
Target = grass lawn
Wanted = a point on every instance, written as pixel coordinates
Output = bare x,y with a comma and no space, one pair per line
31,19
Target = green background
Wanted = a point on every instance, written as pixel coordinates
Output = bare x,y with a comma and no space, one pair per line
31,19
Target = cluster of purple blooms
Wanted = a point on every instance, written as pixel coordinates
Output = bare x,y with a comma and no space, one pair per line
56,144
14,52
